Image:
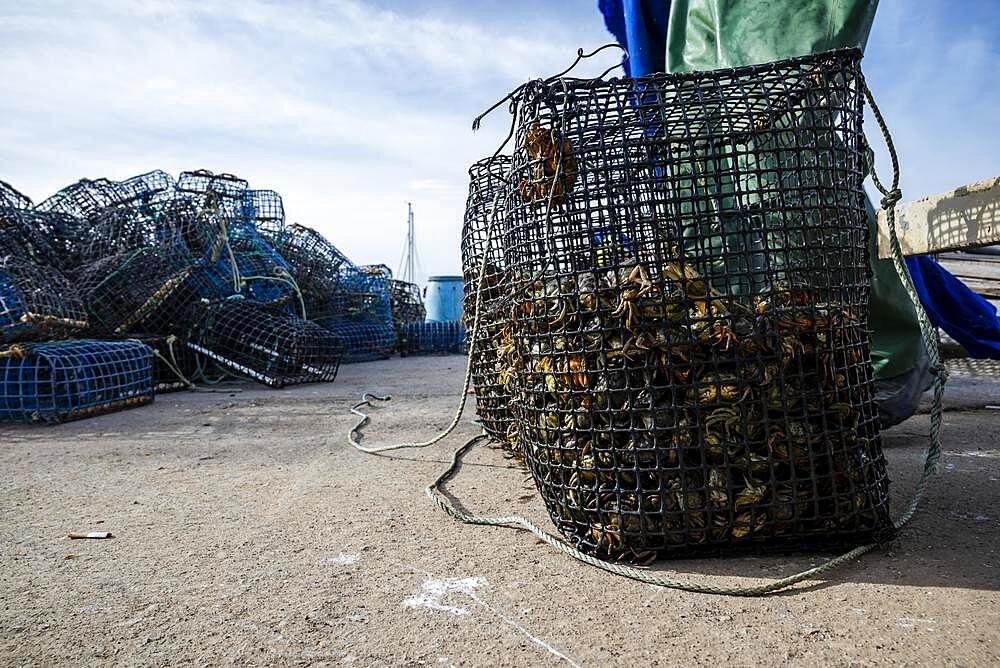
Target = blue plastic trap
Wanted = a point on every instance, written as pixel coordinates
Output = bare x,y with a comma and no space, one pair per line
432,338
69,380
364,339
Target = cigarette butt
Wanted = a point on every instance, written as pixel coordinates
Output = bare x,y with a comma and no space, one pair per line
90,534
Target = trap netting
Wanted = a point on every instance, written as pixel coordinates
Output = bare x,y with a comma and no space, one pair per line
407,305
686,341
432,338
37,302
69,380
486,188
364,339
363,292
315,264
148,290
11,197
175,366
271,347
87,197
265,210
31,235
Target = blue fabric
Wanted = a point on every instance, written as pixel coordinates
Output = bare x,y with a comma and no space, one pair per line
641,27
952,306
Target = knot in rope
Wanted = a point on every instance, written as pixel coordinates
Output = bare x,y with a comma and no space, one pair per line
940,371
890,198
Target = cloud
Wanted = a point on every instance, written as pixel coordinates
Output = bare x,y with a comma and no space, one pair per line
348,110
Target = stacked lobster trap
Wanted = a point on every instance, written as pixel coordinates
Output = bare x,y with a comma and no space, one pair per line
671,282
201,277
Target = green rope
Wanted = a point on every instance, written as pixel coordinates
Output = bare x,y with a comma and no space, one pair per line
890,197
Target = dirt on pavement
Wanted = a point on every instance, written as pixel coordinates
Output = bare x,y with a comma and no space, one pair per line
247,532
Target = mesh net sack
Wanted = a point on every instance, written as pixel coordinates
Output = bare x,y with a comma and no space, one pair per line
37,302
488,378
267,346
69,380
686,332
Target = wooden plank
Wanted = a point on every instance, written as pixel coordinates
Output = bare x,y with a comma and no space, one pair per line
962,218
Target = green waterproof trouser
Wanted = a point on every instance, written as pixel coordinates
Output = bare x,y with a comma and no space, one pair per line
713,34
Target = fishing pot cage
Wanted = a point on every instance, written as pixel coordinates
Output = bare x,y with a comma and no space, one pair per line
487,181
277,349
678,309
69,380
446,337
407,304
37,302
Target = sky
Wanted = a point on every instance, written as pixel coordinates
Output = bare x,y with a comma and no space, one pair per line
351,109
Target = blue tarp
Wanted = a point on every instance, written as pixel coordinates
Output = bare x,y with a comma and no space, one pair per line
641,27
952,306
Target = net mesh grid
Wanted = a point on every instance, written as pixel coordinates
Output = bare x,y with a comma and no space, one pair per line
364,339
432,338
685,340
363,292
486,182
69,380
316,265
270,347
170,356
13,198
34,236
37,302
407,305
265,210
149,290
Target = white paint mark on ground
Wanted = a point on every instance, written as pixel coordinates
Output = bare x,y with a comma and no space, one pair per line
911,622
527,634
433,590
342,559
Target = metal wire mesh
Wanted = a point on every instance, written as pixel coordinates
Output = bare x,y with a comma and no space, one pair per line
69,380
686,340
171,356
11,197
432,338
407,305
270,347
37,302
316,265
149,290
364,339
486,183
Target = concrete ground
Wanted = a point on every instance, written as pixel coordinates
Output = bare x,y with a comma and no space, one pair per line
247,532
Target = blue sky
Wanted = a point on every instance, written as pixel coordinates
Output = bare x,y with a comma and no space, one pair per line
351,109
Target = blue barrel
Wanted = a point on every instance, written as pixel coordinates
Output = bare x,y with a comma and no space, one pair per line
443,298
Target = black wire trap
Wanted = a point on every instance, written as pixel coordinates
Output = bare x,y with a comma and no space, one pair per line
685,337
270,347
